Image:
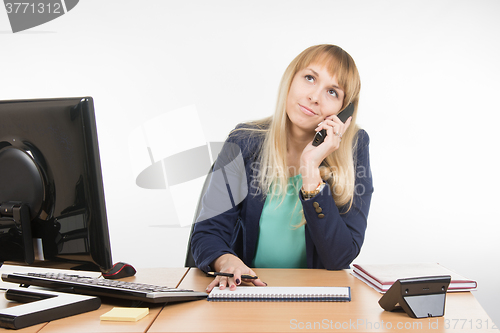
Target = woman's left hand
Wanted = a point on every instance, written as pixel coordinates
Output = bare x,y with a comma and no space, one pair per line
312,156
335,128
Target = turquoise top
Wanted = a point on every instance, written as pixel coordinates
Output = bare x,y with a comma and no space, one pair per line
281,244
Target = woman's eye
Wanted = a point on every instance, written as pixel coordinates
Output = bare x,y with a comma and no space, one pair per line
309,78
332,92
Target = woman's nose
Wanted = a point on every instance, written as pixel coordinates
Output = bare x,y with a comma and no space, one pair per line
314,95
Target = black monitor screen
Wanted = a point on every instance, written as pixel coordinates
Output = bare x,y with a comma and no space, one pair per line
50,167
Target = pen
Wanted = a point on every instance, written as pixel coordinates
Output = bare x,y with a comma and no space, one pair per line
243,276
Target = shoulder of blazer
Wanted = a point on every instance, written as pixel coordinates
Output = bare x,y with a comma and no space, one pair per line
249,138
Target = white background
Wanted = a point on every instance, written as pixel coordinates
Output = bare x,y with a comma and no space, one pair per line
430,81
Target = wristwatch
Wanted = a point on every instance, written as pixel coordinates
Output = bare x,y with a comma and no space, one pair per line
311,194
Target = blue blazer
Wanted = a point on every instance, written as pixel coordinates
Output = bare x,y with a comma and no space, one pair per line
333,235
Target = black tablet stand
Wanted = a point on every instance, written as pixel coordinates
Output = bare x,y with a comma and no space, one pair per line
419,297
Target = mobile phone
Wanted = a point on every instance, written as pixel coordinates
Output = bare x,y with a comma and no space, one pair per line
343,116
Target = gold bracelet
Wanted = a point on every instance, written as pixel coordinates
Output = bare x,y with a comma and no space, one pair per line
310,194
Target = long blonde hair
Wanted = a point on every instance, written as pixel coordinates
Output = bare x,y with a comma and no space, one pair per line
338,169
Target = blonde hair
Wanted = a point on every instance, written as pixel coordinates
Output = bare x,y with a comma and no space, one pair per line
338,169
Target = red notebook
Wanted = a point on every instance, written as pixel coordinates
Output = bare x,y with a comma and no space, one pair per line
381,276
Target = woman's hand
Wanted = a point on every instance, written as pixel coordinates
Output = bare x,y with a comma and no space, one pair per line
312,156
335,128
228,263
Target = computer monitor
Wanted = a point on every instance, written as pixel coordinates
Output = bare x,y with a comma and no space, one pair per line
51,190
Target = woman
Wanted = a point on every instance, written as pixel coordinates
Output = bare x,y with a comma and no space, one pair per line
306,205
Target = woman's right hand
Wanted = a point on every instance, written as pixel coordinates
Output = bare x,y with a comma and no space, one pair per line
229,263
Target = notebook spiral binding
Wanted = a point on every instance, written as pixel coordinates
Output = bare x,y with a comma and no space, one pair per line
272,294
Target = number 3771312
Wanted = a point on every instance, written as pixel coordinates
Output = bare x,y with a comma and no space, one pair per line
33,8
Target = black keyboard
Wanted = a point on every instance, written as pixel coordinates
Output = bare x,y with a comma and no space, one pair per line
103,287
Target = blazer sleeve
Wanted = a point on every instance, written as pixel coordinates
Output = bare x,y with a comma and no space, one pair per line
337,234
213,232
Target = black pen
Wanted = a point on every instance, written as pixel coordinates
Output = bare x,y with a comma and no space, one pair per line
243,276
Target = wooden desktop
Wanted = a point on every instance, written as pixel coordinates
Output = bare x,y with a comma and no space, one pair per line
362,314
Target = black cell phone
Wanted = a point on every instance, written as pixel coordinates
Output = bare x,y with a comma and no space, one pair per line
343,116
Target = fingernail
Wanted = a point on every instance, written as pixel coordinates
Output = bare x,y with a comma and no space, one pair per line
238,281
264,283
320,123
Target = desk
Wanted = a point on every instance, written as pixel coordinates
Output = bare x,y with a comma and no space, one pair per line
90,321
362,314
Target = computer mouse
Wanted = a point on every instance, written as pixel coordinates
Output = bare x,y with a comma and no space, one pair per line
120,270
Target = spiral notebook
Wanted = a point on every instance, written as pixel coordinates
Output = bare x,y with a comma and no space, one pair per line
289,294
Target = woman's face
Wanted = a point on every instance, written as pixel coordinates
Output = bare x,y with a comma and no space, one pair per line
314,95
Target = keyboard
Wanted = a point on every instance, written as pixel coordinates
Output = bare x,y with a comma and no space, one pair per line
105,288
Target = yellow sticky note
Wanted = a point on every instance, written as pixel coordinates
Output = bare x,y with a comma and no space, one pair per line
125,314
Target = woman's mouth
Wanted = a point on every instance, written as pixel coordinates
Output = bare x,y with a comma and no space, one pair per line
307,111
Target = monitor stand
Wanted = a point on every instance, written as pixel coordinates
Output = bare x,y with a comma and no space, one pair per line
15,216
21,200
43,306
